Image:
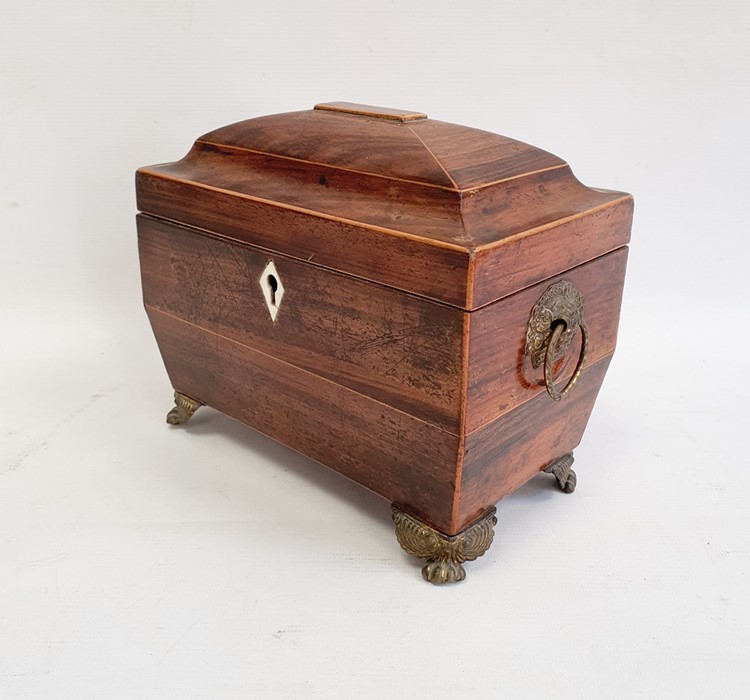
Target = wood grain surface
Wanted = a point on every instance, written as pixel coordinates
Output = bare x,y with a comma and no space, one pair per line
401,350
396,455
506,453
444,480
426,151
501,376
474,158
386,148
540,253
455,214
370,253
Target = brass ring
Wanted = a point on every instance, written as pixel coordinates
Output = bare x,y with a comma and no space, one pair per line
553,341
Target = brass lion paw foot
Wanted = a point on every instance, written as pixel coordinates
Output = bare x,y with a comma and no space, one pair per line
561,470
445,555
183,410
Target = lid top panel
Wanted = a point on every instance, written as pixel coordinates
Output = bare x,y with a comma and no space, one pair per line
395,144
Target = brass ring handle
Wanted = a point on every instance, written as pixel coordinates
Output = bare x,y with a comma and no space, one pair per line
558,330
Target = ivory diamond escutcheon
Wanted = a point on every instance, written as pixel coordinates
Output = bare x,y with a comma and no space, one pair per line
273,290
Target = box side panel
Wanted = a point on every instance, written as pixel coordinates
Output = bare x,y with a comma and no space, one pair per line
501,376
504,454
407,461
427,268
537,254
402,350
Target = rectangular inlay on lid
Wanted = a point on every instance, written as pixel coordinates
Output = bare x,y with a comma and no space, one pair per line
399,115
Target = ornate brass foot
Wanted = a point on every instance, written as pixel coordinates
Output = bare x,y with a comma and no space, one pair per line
183,409
444,554
561,470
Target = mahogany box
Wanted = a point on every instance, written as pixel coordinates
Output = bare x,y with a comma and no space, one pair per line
426,308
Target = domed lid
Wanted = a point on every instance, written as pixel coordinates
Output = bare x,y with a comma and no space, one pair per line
395,144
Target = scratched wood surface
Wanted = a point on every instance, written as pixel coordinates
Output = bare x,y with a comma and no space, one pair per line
341,412
426,151
501,376
402,350
528,258
504,454
445,480
395,455
399,349
339,244
444,211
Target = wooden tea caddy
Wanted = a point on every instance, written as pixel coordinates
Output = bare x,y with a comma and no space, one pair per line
426,308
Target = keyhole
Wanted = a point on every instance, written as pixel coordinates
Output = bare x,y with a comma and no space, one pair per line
273,283
273,289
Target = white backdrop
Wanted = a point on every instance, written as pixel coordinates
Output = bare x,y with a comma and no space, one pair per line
137,561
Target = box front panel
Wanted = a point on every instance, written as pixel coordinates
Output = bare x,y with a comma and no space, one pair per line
400,350
404,459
